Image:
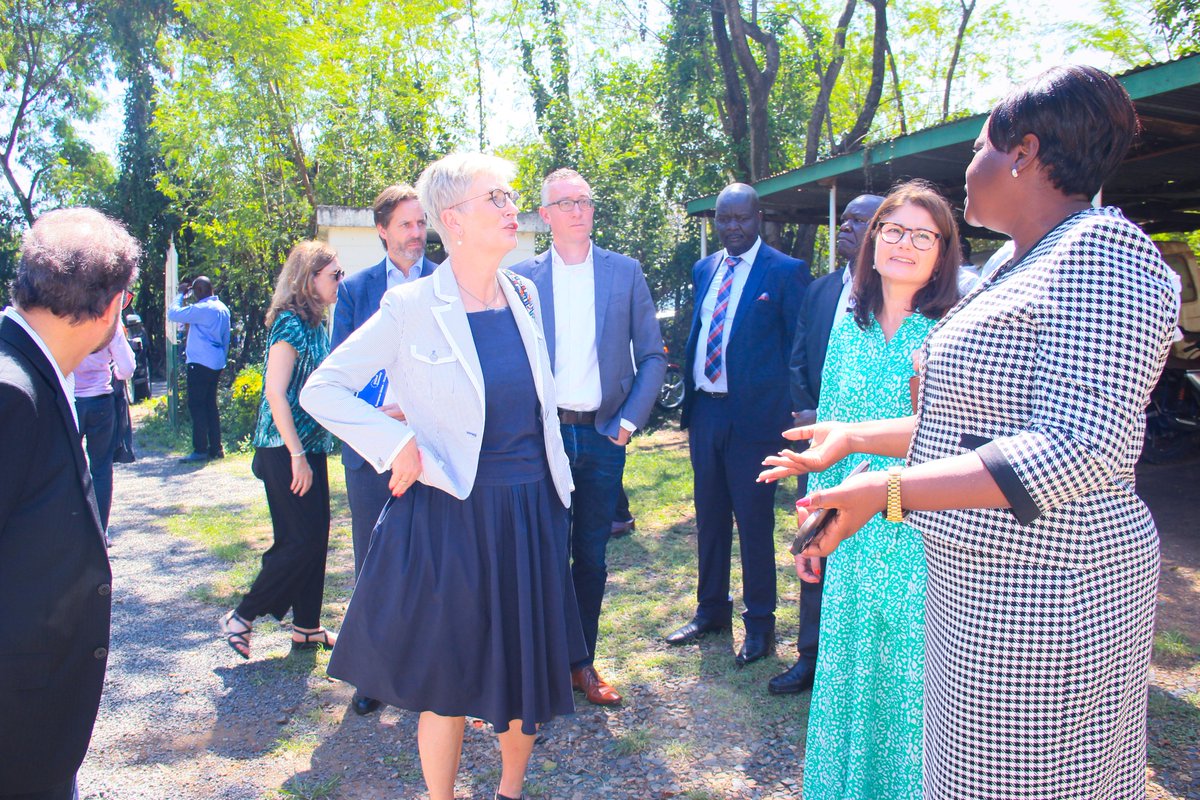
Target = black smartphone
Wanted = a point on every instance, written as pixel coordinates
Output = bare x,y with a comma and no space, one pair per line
817,520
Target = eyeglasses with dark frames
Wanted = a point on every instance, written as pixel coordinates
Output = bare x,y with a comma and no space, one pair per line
499,198
921,238
565,206
338,274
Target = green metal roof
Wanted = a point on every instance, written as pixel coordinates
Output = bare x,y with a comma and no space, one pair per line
1158,185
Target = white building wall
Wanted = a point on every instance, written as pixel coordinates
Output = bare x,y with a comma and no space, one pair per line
351,232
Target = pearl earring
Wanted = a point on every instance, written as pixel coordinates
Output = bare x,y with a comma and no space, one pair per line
1014,174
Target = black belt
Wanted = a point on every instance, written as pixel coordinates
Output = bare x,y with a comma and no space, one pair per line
714,395
568,417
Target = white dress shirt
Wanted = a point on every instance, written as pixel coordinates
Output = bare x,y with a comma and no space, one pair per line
396,277
740,273
576,366
843,306
67,382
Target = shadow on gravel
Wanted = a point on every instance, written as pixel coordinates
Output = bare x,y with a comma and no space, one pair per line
261,698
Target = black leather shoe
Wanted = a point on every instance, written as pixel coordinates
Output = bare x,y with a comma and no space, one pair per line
695,629
757,645
364,705
795,680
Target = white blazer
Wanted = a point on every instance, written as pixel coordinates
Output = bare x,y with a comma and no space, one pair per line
421,336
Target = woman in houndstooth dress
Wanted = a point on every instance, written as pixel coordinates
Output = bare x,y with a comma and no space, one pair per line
1042,561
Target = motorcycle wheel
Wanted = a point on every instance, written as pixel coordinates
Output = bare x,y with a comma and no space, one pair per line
670,395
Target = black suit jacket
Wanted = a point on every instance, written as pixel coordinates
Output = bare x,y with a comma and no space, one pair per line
760,341
812,339
55,583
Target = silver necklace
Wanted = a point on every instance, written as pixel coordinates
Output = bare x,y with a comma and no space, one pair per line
487,304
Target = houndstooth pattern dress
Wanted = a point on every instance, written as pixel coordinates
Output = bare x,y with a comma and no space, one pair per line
1039,618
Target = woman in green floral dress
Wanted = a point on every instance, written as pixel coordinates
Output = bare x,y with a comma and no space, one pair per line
290,456
864,728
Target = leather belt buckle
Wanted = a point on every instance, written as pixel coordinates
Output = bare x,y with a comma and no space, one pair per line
568,417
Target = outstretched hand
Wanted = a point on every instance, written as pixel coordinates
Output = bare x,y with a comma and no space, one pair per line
829,443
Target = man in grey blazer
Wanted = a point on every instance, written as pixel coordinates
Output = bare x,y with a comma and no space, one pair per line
596,310
400,223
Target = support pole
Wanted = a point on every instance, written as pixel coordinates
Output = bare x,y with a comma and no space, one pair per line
833,226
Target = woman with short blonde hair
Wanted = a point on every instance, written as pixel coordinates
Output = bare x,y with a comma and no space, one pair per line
464,606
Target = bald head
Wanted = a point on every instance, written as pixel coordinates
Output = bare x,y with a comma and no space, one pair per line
738,218
202,287
856,216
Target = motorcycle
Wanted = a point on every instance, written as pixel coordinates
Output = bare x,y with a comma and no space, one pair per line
139,383
673,389
1173,416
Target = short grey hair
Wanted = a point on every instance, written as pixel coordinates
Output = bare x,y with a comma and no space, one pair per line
73,262
445,182
560,174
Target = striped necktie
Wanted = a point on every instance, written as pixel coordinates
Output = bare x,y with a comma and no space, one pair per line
712,352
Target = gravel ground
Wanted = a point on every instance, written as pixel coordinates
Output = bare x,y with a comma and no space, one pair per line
183,718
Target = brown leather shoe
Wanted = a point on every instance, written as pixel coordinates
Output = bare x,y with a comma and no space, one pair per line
593,687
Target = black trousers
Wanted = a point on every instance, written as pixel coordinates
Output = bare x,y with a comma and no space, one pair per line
367,491
293,569
66,791
202,405
809,634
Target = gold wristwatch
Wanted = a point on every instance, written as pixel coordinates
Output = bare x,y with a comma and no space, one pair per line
894,512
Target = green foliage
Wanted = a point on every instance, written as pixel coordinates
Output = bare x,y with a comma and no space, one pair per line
1125,32
275,109
1180,21
53,53
239,406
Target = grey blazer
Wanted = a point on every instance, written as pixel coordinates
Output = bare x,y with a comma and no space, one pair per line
422,338
625,321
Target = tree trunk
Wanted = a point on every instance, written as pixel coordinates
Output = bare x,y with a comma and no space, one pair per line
866,114
967,9
820,111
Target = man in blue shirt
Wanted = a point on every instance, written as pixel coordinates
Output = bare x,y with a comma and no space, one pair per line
207,346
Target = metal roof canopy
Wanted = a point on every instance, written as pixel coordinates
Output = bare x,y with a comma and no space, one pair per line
1157,186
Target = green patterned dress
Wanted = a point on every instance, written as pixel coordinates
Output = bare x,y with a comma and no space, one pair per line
864,725
311,343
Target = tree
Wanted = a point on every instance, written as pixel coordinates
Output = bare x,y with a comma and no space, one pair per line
1180,21
52,54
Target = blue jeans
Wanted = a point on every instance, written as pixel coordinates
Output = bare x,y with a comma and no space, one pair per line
596,468
97,424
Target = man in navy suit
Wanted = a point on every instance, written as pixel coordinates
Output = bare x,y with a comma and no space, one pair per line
400,223
71,283
825,303
747,298
596,311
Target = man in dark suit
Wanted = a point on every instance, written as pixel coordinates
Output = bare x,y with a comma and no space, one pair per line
826,301
596,310
400,223
71,283
747,298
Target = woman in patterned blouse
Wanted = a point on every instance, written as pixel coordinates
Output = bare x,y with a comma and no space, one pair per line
1042,560
289,456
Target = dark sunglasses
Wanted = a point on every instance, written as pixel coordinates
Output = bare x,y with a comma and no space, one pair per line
338,274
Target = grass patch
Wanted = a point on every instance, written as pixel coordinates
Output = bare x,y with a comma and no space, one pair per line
310,789
1174,646
1173,729
632,742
